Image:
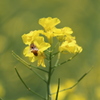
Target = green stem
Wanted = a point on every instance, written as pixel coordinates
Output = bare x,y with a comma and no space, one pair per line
76,82
56,65
49,72
27,65
58,89
49,77
58,58
27,86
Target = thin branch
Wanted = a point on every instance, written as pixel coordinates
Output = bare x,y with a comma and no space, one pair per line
27,86
58,89
49,78
28,66
55,54
65,61
25,63
58,58
76,82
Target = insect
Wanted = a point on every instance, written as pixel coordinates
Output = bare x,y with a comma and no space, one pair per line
34,49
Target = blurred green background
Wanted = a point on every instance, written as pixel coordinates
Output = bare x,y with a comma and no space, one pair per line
21,16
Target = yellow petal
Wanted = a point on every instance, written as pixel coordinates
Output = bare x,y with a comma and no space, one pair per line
71,47
41,60
28,38
49,23
29,54
67,30
40,44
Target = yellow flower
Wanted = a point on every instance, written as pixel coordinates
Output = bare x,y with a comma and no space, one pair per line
36,47
62,33
67,30
49,23
49,26
28,38
71,47
51,31
70,38
69,42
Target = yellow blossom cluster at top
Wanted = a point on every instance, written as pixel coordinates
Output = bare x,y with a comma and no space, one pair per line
36,44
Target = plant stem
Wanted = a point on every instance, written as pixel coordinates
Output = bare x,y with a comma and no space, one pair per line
58,89
27,86
76,82
28,66
49,72
49,77
25,63
56,62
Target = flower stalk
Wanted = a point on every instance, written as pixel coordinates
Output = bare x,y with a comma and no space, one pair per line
38,49
49,72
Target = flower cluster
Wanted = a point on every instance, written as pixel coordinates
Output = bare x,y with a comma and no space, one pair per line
37,45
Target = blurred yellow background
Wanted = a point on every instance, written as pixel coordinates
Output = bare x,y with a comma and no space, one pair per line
21,16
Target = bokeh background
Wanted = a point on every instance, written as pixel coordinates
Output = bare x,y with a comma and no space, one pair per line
21,16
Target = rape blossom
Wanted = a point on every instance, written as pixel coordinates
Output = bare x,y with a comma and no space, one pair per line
36,47
36,44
